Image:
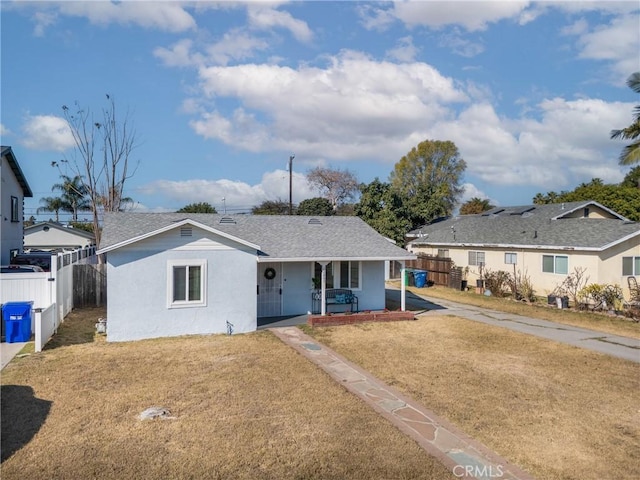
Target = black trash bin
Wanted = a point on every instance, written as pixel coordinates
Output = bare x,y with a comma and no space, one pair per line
17,320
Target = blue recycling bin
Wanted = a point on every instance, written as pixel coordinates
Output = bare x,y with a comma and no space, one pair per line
420,278
17,320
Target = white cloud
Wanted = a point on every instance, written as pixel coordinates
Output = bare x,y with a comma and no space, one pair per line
355,107
179,54
238,196
405,52
471,15
266,17
617,42
166,16
471,191
4,130
47,132
460,45
568,144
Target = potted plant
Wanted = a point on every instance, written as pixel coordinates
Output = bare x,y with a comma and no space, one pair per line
317,283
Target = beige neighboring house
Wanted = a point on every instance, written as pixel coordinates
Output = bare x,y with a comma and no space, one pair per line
13,190
546,242
54,236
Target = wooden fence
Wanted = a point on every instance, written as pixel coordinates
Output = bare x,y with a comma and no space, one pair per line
90,285
439,268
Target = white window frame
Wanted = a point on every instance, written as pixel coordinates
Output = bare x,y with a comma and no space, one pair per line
443,253
634,271
555,265
171,264
475,254
337,280
339,275
511,258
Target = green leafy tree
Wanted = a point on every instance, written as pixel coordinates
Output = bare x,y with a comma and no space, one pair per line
315,206
475,205
383,209
271,207
337,186
632,179
201,207
621,199
429,178
31,221
73,195
85,226
51,204
631,153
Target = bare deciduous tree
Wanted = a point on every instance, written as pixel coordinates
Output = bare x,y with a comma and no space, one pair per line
337,186
103,147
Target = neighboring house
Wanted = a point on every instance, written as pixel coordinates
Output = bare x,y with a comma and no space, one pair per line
177,274
544,242
54,236
13,190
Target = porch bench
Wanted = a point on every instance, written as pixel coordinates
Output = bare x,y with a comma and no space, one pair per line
341,296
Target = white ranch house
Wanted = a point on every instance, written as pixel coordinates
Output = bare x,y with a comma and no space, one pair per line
54,236
172,274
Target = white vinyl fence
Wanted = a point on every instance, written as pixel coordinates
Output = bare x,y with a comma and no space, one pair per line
47,290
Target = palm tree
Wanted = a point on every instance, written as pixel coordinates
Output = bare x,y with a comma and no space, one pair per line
51,204
631,153
74,195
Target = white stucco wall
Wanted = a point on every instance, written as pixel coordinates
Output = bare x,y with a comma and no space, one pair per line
138,291
51,237
10,232
297,287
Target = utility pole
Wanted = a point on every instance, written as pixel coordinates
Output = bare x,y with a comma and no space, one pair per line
291,184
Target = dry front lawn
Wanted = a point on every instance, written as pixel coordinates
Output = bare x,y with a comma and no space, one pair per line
603,322
246,407
557,411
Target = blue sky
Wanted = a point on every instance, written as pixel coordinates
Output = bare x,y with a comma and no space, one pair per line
222,93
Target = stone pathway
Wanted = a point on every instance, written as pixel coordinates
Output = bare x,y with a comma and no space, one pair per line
465,457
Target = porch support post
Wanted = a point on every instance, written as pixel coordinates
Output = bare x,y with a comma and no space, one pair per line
403,288
323,284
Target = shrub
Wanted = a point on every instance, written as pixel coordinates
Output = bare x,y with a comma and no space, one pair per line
602,296
522,288
497,282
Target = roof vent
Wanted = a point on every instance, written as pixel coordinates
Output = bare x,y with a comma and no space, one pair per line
314,221
227,221
186,231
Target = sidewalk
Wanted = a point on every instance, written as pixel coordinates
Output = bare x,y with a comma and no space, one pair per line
615,345
465,457
8,351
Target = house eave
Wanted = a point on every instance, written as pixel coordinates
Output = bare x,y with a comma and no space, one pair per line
266,258
515,246
173,226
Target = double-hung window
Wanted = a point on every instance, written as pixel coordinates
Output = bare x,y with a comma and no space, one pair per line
555,264
511,258
186,283
630,266
476,258
350,275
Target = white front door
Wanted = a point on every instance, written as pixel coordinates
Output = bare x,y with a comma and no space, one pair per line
269,289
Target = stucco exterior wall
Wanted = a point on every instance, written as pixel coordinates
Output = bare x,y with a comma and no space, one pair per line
137,298
51,237
602,267
10,232
297,287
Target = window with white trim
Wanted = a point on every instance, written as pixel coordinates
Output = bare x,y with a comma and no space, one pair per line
350,275
317,274
443,253
630,266
555,264
510,258
186,283
476,258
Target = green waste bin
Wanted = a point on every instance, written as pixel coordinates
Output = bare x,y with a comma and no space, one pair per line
17,320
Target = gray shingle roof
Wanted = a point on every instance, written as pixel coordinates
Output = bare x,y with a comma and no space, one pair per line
541,226
279,237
